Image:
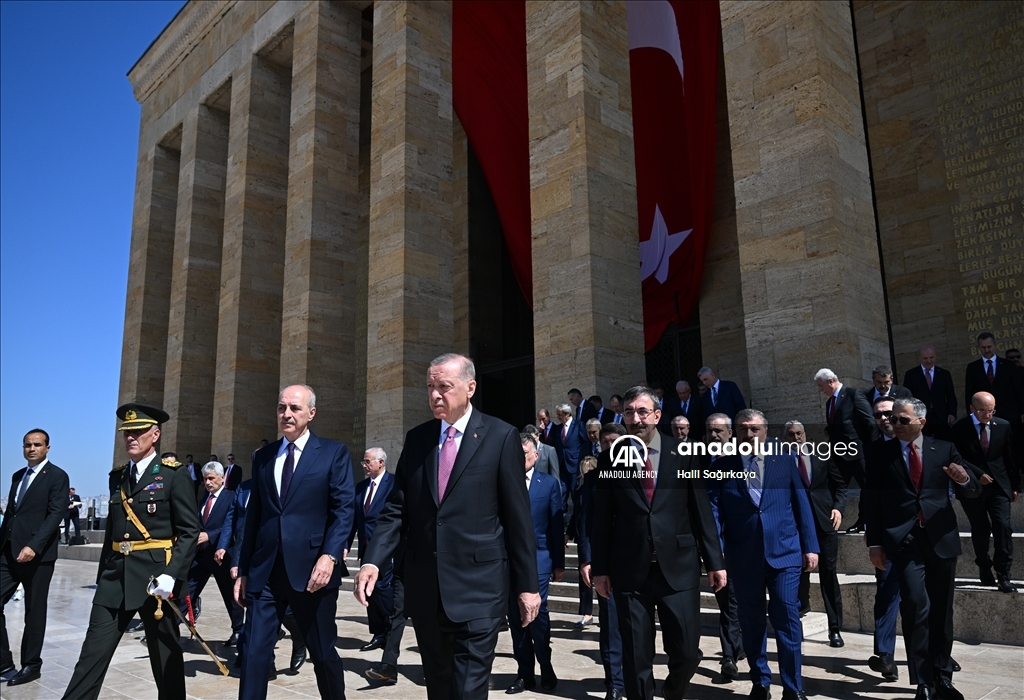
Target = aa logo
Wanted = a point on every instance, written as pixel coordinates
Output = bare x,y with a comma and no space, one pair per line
629,452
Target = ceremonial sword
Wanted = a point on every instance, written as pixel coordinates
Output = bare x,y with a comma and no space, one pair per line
159,614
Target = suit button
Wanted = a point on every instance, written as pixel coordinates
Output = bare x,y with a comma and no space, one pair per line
435,555
440,522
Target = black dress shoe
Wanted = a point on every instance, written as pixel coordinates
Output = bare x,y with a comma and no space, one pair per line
1005,586
760,692
856,529
280,633
944,689
298,658
27,675
924,692
7,671
886,665
272,675
376,643
791,695
237,663
835,640
615,694
521,685
232,640
548,679
135,627
729,669
987,579
954,664
804,611
385,674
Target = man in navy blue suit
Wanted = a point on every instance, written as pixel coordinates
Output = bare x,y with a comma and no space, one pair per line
721,396
299,518
766,517
212,559
571,444
534,640
371,494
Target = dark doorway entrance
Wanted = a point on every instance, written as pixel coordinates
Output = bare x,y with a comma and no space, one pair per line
676,356
500,321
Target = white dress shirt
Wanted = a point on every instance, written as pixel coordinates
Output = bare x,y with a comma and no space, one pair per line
141,466
211,497
529,478
31,477
282,455
984,365
460,429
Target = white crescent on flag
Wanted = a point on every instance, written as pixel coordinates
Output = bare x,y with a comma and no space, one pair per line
652,23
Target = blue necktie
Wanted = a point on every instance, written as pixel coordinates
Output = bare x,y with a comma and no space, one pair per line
714,396
24,485
754,483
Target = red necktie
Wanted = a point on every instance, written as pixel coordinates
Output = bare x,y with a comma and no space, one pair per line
928,378
207,509
648,481
990,373
984,437
916,470
446,462
804,473
369,497
565,431
831,409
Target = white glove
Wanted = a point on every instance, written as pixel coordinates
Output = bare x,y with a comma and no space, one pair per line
162,586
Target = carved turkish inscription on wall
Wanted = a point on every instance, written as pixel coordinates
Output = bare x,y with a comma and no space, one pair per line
977,55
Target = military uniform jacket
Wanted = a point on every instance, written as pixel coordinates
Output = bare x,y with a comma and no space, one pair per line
165,504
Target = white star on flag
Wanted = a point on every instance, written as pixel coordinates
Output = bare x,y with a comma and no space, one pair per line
656,252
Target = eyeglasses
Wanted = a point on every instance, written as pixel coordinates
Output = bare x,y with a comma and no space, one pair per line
882,414
368,461
639,413
902,420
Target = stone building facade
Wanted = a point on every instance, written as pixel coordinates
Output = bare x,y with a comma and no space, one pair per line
305,196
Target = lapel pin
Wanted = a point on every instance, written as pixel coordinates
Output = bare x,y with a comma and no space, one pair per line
158,478
474,436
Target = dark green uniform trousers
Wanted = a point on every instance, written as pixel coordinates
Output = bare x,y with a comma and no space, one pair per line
106,627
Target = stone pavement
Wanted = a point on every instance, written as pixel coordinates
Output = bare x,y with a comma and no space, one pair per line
990,671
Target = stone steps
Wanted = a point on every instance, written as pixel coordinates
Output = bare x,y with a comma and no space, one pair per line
852,509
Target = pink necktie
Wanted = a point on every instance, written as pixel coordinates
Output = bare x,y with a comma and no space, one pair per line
648,481
369,497
928,378
804,474
445,463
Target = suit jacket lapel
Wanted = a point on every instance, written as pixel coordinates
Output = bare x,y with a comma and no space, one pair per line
901,466
269,485
430,465
470,442
306,459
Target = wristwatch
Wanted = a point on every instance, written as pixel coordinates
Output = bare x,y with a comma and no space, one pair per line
333,558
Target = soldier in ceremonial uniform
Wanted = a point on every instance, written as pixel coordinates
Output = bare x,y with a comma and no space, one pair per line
150,541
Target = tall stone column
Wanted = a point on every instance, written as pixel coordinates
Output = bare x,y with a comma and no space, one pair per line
410,319
195,283
253,256
808,252
321,242
587,308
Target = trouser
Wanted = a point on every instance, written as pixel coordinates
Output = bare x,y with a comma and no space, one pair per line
393,645
828,577
456,656
199,574
853,469
926,608
315,614
990,515
106,627
679,615
887,606
610,644
534,640
728,622
71,519
380,604
35,577
783,610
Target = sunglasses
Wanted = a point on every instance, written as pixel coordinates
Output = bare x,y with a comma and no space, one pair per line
882,414
902,420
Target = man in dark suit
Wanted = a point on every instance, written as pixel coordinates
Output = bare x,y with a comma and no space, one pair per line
934,387
718,429
911,521
231,536
71,516
849,427
680,429
571,444
212,559
609,637
1004,380
460,499
232,474
582,410
986,442
148,547
721,396
882,380
887,584
827,494
371,494
544,426
28,549
195,473
684,403
298,520
534,640
604,415
615,404
767,525
547,458
651,527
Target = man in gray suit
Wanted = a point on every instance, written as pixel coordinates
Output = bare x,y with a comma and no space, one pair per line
547,458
